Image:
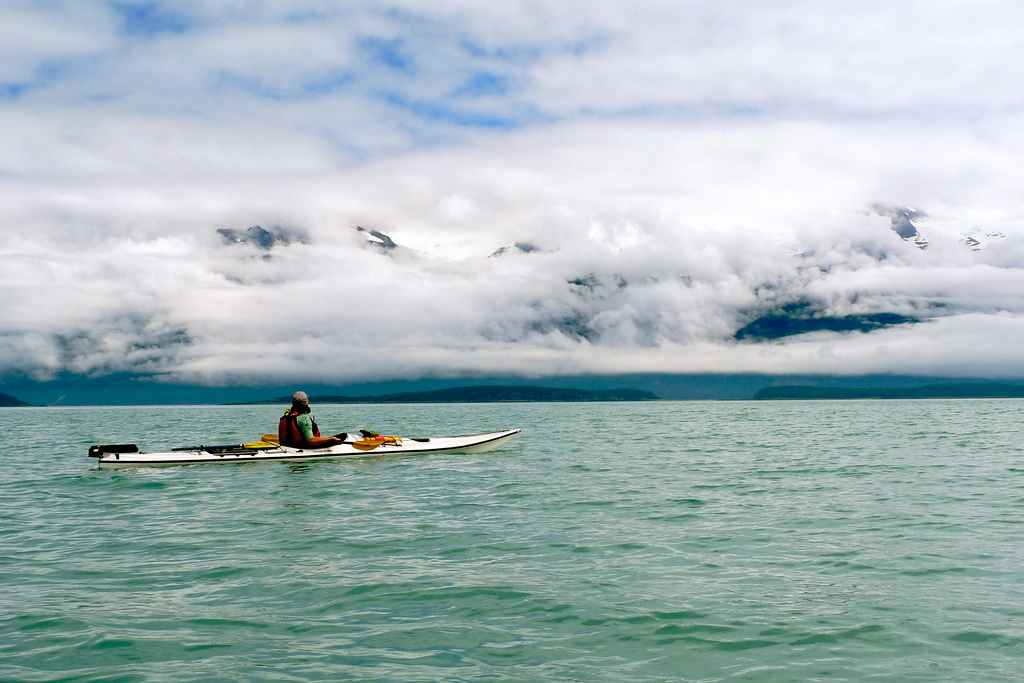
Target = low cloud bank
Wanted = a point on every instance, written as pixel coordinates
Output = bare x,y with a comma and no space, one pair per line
646,255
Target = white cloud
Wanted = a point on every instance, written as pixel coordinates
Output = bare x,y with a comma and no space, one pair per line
688,167
35,34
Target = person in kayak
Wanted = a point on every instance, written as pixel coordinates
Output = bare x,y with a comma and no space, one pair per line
298,429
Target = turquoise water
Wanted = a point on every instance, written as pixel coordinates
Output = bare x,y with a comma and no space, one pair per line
685,541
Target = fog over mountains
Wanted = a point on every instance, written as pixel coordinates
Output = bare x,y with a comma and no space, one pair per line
352,303
551,191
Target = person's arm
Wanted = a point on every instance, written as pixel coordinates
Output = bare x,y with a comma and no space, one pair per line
324,441
306,427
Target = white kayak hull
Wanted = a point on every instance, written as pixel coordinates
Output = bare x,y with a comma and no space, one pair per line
473,443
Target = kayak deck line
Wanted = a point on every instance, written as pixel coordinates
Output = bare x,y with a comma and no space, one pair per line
129,455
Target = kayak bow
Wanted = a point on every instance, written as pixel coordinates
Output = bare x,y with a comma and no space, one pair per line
129,455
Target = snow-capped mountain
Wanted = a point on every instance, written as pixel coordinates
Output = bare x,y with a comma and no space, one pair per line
979,239
902,221
263,238
377,239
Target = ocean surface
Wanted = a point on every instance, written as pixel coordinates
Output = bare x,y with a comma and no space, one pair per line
684,541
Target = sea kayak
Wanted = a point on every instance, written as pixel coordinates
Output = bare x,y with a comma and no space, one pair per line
128,455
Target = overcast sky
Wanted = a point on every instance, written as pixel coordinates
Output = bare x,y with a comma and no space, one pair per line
690,165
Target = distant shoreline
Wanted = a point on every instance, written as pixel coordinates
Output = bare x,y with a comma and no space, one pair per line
483,394
929,391
540,394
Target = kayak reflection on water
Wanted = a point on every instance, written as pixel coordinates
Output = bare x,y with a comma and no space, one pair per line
298,429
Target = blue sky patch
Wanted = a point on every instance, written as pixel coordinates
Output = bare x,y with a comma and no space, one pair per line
46,73
482,84
328,83
441,112
324,84
13,90
149,19
389,53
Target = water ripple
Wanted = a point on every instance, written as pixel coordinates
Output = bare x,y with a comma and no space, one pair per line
742,541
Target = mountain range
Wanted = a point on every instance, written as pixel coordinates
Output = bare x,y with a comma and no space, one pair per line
488,394
8,401
785,317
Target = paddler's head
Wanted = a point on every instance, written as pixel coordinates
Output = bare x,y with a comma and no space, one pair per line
300,402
